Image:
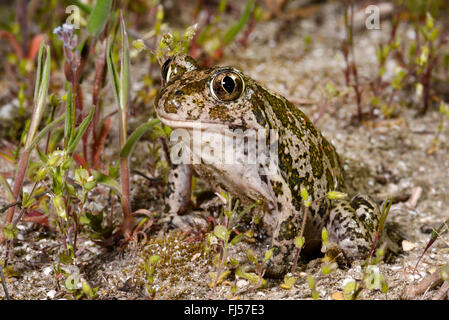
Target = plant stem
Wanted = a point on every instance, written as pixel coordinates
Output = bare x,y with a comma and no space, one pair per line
5,289
124,179
18,181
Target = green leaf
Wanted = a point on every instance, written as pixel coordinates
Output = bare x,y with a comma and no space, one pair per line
268,255
112,70
305,197
69,125
135,136
329,268
373,281
251,256
107,181
336,195
99,17
82,6
124,83
444,272
80,131
324,236
237,239
9,232
254,278
289,281
384,287
5,185
39,70
311,282
350,289
44,131
299,242
154,259
221,232
235,29
71,283
59,206
40,92
65,259
27,200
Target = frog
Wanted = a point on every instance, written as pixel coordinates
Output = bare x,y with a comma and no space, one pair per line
221,98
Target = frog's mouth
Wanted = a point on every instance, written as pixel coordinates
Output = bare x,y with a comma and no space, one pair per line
209,126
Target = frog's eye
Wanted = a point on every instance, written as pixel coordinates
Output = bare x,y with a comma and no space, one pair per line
166,70
227,85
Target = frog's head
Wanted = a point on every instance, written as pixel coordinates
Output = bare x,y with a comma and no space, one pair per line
217,98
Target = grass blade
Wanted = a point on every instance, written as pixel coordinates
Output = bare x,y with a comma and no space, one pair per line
82,6
98,17
44,131
135,136
80,131
107,181
113,70
235,29
5,184
42,83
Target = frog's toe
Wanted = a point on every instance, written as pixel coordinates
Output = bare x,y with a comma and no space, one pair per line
275,270
279,264
185,223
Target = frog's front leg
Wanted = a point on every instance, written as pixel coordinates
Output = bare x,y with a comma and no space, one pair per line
177,199
353,225
179,188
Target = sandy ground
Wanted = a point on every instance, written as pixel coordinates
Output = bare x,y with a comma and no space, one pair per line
385,157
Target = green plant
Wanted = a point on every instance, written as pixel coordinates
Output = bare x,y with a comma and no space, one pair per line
74,285
372,279
213,37
257,277
150,269
221,237
40,95
121,90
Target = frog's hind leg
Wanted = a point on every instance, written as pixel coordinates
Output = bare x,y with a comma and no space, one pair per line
353,224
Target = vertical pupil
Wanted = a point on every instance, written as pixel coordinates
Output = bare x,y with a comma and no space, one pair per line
165,68
228,84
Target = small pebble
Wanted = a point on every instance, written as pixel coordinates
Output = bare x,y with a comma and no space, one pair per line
51,294
408,246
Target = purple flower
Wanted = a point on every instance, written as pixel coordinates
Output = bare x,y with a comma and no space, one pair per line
66,34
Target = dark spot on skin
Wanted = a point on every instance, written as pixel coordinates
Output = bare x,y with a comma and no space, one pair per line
279,206
287,230
322,212
357,202
277,187
179,93
220,112
276,251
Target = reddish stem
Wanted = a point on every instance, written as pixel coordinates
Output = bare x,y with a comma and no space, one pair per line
18,181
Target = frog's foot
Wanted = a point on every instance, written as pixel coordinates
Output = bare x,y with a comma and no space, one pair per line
281,261
353,225
188,222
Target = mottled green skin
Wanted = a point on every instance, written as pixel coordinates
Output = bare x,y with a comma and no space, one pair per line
306,159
